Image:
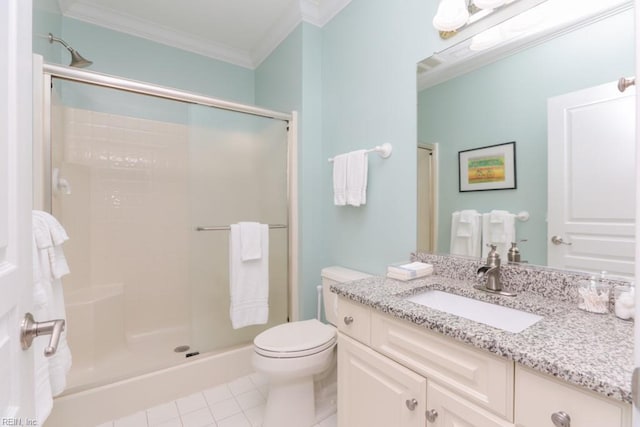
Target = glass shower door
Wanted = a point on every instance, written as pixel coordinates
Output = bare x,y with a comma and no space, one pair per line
133,177
238,172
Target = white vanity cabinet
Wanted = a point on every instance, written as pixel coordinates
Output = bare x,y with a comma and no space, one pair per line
540,397
391,373
394,373
374,391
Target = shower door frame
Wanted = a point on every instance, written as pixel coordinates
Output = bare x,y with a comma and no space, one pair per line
43,78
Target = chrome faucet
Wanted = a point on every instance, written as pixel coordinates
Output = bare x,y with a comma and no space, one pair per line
491,270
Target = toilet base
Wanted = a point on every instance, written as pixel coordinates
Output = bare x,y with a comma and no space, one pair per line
290,404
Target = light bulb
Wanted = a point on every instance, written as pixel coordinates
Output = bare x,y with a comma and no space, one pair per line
451,15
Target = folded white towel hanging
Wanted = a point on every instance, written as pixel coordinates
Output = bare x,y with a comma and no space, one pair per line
357,164
465,236
248,282
498,227
465,222
250,240
340,180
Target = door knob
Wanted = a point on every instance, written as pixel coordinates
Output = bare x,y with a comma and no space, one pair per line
625,82
557,240
29,329
348,320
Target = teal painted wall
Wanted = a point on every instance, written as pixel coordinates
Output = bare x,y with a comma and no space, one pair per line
46,19
291,79
507,101
369,96
136,58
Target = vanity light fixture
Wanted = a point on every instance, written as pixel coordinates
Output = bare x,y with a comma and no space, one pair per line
452,15
519,25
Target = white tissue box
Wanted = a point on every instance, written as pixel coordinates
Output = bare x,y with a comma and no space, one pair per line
409,271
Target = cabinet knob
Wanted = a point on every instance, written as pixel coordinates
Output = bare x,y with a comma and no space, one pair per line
561,419
348,320
431,415
411,404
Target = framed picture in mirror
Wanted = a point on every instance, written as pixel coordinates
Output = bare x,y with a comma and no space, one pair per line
488,168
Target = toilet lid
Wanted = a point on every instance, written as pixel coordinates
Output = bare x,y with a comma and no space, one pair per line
295,339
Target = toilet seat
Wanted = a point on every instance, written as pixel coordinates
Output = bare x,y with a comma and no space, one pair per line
295,339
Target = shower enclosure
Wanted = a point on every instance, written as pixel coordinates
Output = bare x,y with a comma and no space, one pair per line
146,181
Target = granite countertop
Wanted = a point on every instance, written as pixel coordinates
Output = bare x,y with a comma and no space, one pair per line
589,350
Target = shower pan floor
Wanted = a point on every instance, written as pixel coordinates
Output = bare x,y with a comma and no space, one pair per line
239,403
140,355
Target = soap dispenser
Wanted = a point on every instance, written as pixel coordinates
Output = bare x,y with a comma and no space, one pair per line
513,255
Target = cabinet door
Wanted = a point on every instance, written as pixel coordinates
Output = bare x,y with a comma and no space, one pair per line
446,409
374,391
539,396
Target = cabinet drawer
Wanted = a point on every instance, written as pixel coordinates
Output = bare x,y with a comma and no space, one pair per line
354,320
482,378
539,396
450,410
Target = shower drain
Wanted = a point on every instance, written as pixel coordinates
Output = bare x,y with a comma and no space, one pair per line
181,348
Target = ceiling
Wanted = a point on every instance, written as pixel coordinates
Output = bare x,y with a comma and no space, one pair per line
242,32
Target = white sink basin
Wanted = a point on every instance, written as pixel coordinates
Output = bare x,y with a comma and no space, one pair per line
500,317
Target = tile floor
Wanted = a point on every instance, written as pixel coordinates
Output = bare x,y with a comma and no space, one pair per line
239,403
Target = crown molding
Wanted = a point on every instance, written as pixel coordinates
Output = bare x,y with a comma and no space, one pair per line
320,12
125,23
276,35
316,12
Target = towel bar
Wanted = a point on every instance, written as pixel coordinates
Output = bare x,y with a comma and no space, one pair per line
227,227
383,150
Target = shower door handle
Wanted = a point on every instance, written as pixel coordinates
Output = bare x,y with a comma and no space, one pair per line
29,329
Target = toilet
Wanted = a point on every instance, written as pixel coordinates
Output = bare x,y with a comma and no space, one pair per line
299,361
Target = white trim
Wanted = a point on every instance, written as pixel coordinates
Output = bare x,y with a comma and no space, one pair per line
320,12
316,12
276,35
294,289
125,23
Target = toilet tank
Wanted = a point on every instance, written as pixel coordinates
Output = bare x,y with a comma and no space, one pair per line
331,275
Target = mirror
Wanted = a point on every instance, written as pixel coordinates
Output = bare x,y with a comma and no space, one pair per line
506,100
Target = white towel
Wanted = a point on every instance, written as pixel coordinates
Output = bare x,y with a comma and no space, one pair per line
248,282
250,240
465,223
49,265
43,395
357,165
498,228
340,180
465,233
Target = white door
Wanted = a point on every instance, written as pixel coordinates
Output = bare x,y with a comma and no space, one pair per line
636,329
591,176
16,365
